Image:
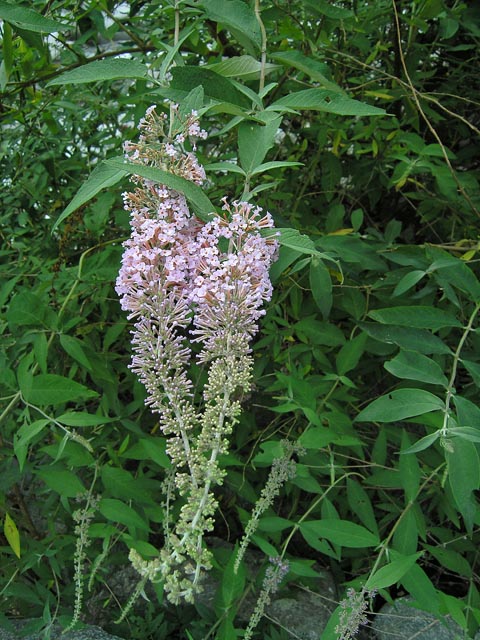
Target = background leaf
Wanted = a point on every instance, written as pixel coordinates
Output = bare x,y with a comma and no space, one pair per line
191,191
341,532
418,317
415,366
400,404
29,20
327,101
12,535
102,70
52,389
235,15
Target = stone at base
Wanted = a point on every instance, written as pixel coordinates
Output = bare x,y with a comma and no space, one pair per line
86,633
401,621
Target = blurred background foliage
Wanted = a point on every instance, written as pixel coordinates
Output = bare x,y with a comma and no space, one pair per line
375,309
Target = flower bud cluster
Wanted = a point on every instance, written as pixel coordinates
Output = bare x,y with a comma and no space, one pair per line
185,280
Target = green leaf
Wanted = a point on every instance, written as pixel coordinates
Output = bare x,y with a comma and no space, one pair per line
236,16
50,388
8,55
414,366
350,354
63,482
254,141
83,419
232,584
392,572
101,70
123,485
341,532
26,308
152,448
215,86
400,404
360,504
409,471
451,560
315,69
274,164
419,340
191,191
293,239
303,567
416,317
74,348
12,535
468,413
422,444
102,177
263,545
464,477
40,348
326,8
408,281
317,438
23,436
271,524
29,20
405,538
467,433
321,286
244,67
327,101
229,167
117,511
473,369
419,585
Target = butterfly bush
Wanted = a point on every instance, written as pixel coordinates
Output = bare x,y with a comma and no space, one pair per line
185,282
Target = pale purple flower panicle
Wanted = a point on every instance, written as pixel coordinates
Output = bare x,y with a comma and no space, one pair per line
182,278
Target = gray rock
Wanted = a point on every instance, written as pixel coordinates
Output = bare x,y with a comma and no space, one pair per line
305,615
19,627
401,621
298,610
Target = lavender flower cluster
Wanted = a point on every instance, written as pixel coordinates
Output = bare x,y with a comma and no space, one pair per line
171,249
185,280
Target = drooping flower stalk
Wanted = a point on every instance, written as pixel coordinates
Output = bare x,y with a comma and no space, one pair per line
186,281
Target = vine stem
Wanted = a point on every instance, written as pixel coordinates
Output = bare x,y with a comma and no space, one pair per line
408,506
431,128
456,359
176,38
263,50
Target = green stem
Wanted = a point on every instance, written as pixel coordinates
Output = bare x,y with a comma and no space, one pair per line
456,359
296,527
385,543
263,50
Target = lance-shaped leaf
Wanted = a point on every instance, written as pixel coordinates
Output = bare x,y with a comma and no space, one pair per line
11,534
102,176
215,86
190,190
313,68
28,19
327,101
400,404
109,172
236,16
101,70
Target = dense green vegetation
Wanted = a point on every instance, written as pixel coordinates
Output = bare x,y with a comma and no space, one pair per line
355,123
